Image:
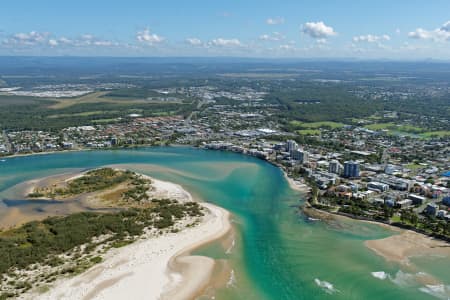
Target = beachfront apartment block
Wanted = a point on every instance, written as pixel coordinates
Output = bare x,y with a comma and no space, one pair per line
351,169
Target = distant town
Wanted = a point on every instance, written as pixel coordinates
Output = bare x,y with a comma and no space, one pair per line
349,170
369,151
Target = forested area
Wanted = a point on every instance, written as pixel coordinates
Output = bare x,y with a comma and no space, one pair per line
41,241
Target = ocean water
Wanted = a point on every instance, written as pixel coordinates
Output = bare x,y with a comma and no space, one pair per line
275,252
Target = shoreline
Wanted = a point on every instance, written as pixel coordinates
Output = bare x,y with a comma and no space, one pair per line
89,149
188,265
398,248
158,267
294,184
42,153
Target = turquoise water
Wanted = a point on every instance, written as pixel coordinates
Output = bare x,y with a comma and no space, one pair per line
277,253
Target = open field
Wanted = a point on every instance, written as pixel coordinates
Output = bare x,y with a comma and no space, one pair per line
394,127
411,129
22,113
97,97
82,114
414,167
308,132
315,125
441,133
380,126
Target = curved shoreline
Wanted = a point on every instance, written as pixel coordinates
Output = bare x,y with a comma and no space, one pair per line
398,248
188,265
158,267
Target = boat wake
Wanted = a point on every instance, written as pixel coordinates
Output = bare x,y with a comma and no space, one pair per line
326,286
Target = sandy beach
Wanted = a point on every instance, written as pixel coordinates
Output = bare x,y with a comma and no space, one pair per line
396,248
399,248
296,185
154,267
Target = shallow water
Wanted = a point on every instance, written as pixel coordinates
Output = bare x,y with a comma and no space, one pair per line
276,253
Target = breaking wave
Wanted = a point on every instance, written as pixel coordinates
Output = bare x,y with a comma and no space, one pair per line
326,286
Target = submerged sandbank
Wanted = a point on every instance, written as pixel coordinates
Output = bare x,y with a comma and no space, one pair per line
399,248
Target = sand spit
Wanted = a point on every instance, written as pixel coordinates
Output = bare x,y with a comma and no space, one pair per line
399,248
154,267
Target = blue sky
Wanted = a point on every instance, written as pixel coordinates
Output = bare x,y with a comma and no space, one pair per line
396,29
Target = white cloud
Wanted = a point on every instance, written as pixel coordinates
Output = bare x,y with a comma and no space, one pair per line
145,36
446,26
27,39
220,42
438,34
87,37
194,41
64,40
87,40
318,30
45,39
420,34
369,38
104,43
53,42
275,36
275,21
286,47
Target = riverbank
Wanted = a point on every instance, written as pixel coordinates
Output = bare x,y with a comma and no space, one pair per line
400,247
294,184
157,266
3,157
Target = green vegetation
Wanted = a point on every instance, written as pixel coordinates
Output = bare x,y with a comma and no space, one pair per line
312,125
133,190
423,132
414,166
395,127
308,132
92,181
26,113
380,126
334,103
430,134
41,242
363,209
96,180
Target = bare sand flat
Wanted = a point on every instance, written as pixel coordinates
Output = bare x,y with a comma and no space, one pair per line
399,248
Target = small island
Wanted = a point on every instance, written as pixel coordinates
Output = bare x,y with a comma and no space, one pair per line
107,185
39,253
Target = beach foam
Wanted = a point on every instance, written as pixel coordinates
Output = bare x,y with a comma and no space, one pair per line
439,291
326,286
232,281
233,243
380,275
410,280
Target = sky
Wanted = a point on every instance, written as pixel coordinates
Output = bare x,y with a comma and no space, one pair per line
366,29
